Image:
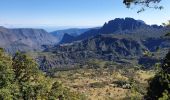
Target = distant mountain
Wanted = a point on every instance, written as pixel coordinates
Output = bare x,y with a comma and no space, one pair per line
129,26
25,39
72,31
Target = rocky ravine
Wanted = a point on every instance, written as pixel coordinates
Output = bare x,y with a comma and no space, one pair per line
108,47
104,47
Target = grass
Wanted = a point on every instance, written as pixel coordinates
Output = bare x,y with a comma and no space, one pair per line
98,84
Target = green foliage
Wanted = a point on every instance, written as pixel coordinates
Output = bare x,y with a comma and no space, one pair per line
159,86
166,24
167,34
63,93
8,88
56,87
94,64
20,79
24,67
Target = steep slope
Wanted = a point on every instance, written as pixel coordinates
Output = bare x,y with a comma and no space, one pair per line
24,39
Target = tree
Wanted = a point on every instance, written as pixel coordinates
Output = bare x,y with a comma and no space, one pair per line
24,67
141,2
144,4
159,86
32,82
20,79
8,88
53,95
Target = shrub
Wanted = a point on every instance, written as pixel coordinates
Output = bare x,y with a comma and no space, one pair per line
98,85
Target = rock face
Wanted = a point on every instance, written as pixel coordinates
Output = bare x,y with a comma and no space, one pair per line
13,40
128,26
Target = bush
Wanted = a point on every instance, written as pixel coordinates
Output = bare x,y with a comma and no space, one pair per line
159,86
98,84
122,84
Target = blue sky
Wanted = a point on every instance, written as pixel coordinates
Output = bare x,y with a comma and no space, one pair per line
73,13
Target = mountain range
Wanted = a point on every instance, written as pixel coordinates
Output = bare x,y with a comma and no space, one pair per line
137,28
25,39
122,40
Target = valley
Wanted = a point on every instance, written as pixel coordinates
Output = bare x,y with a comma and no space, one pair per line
106,83
112,62
84,50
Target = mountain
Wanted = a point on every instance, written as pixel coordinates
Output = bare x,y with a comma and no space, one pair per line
72,31
129,26
121,49
124,41
67,38
25,39
104,47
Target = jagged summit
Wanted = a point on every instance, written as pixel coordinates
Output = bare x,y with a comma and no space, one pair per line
130,26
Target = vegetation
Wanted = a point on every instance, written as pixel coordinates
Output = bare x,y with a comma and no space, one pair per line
168,34
20,79
108,83
159,86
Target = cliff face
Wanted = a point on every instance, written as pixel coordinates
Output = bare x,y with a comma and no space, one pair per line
13,40
128,26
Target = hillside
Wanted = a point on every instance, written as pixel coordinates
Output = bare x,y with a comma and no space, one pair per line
104,47
24,39
67,38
